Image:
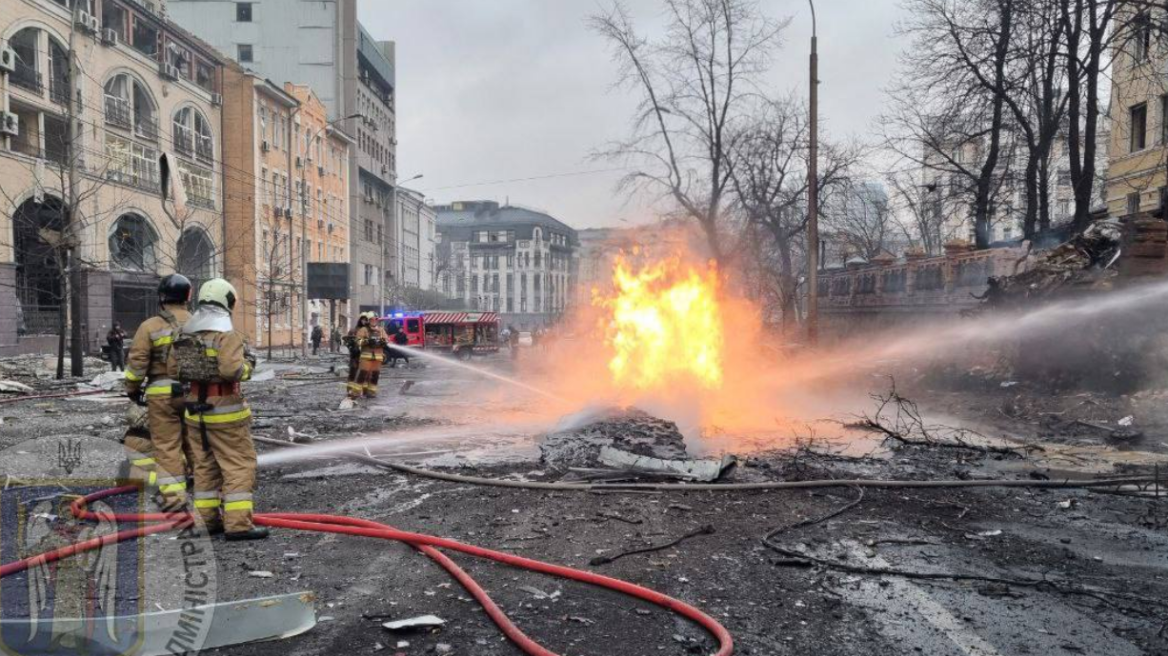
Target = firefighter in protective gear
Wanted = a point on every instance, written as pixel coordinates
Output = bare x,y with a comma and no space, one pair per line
160,454
351,342
371,339
217,417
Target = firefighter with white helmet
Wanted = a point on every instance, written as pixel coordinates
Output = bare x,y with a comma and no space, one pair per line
159,451
213,359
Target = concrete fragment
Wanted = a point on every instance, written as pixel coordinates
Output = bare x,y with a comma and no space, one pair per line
698,470
420,622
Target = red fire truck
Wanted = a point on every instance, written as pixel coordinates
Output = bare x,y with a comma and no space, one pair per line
462,334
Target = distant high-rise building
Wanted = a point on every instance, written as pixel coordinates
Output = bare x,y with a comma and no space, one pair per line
322,45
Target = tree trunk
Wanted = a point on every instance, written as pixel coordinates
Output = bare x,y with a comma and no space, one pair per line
1030,219
72,227
787,282
62,327
985,179
1043,193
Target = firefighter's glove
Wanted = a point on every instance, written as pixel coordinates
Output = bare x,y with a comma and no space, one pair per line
138,396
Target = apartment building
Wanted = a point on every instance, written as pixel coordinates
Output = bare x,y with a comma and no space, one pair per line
144,88
418,223
1137,179
288,181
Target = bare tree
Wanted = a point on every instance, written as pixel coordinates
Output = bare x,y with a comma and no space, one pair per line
769,177
950,113
917,211
696,83
861,216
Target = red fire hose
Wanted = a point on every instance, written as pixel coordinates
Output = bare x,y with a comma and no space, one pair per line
361,527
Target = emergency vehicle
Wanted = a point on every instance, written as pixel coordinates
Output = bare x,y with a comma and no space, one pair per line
461,334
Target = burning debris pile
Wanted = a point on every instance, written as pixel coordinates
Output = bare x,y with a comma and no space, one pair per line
576,445
623,443
1086,261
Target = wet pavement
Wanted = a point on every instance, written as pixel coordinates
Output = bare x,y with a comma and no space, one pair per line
1110,546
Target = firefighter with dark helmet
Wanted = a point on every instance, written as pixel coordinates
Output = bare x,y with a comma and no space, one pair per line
371,340
158,454
213,359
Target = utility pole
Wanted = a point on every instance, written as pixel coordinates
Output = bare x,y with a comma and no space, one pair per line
71,227
813,194
292,226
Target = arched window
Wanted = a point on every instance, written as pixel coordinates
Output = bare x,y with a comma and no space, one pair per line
196,254
131,244
192,134
40,284
538,234
129,106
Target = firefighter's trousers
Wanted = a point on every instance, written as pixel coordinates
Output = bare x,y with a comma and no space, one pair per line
140,453
370,373
225,472
164,415
354,388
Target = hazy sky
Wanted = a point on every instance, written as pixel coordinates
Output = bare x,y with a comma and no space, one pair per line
492,90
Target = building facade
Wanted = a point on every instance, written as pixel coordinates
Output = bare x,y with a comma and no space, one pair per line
419,228
288,183
143,89
516,261
948,195
323,46
1137,179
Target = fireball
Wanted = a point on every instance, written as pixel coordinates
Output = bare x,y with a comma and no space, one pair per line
663,325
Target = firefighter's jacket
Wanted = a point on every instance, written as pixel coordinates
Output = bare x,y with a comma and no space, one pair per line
147,363
372,342
227,406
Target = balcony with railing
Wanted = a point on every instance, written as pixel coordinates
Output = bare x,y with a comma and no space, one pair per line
117,112
146,127
59,90
182,140
28,78
205,202
203,148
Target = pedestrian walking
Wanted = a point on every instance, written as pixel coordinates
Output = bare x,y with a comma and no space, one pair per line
116,339
317,336
334,339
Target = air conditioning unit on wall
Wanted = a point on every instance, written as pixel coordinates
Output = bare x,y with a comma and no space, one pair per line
109,36
9,124
217,99
87,23
7,59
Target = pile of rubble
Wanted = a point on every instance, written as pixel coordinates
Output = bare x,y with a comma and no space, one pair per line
1086,261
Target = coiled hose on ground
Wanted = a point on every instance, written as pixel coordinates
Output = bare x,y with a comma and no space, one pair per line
429,545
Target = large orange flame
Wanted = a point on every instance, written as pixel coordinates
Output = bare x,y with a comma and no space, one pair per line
663,325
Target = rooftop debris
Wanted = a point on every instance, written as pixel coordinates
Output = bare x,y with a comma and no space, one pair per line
1085,261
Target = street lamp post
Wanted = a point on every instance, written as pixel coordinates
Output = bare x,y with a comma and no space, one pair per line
304,247
396,219
813,193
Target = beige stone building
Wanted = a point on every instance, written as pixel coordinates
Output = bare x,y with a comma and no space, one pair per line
1137,178
288,185
143,88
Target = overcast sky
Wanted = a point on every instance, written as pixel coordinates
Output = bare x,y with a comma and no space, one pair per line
494,90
